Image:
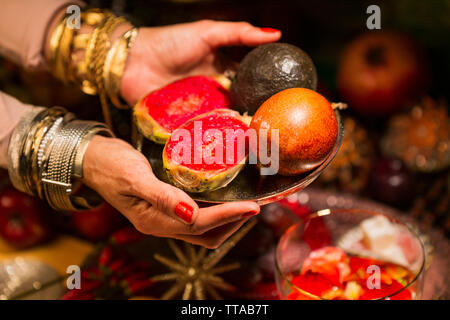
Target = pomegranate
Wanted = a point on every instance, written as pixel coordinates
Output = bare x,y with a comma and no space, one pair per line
380,71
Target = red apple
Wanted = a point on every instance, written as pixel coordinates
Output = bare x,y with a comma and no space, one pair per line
380,71
24,221
97,223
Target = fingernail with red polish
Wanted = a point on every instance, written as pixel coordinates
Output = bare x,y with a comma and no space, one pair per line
184,211
269,30
250,214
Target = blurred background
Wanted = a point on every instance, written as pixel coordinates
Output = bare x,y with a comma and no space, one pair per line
396,149
376,148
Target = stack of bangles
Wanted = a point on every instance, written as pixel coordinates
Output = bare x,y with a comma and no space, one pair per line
47,147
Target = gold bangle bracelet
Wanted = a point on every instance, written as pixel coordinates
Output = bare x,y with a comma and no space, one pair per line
95,69
55,41
94,18
88,85
100,70
115,65
65,48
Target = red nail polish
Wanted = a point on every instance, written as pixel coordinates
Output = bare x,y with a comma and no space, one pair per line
184,211
250,214
269,30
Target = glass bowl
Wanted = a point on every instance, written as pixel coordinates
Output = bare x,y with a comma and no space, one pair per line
349,254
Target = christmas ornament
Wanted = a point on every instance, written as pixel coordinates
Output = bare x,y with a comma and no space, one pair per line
24,221
392,182
126,235
195,273
350,169
380,71
97,223
421,137
432,208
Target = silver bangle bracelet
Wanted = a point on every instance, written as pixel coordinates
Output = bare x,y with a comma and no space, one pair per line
46,151
15,149
25,142
64,161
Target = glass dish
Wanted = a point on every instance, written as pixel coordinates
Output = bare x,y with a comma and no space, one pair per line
396,272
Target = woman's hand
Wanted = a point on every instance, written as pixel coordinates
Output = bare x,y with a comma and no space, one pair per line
124,178
161,55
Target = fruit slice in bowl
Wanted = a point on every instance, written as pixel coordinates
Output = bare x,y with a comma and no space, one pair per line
162,111
207,152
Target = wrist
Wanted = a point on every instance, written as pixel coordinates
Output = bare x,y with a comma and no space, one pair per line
91,159
127,83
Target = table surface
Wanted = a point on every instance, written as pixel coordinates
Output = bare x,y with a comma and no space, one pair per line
66,250
58,253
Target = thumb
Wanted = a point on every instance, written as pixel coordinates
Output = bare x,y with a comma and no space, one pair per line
170,200
219,34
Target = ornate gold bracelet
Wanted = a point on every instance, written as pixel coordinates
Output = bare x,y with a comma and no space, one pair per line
94,18
56,56
114,67
101,70
95,66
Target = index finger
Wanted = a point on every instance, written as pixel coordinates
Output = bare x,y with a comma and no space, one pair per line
222,33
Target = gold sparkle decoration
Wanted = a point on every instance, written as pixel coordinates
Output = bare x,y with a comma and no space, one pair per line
351,167
420,137
196,271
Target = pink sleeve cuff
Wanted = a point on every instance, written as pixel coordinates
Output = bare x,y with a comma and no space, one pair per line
11,111
23,28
